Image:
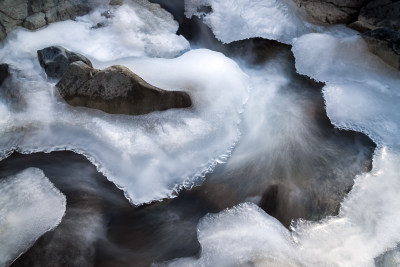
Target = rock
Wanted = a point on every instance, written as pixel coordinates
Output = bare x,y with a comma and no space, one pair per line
332,11
381,13
385,43
35,21
56,59
116,90
15,9
361,26
4,72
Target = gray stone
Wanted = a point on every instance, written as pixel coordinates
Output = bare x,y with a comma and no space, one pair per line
75,76
15,9
7,24
331,12
35,21
55,60
361,26
116,90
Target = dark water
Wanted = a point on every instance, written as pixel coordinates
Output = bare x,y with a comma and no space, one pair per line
100,226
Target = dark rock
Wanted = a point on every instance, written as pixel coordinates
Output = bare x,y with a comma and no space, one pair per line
56,59
333,11
381,13
4,72
385,43
35,21
116,90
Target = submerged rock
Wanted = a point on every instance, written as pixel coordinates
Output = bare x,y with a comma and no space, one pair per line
116,90
4,72
56,59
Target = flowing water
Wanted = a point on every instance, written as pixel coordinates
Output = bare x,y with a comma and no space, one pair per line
288,156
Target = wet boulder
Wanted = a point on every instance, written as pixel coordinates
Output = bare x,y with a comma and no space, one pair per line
116,90
56,59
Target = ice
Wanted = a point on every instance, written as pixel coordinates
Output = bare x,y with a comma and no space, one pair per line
361,92
238,19
150,156
134,29
29,206
277,20
367,225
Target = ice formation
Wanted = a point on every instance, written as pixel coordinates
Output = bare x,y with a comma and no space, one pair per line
237,20
132,30
269,19
152,156
29,206
362,94
149,156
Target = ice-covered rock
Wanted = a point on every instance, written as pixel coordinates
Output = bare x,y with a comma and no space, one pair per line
29,206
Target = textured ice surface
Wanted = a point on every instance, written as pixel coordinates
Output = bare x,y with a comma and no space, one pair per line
238,19
29,206
361,91
368,224
242,236
132,30
269,19
150,156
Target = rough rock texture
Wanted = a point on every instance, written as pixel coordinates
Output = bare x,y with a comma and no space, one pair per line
362,15
332,11
116,90
33,14
56,59
385,43
381,13
4,72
